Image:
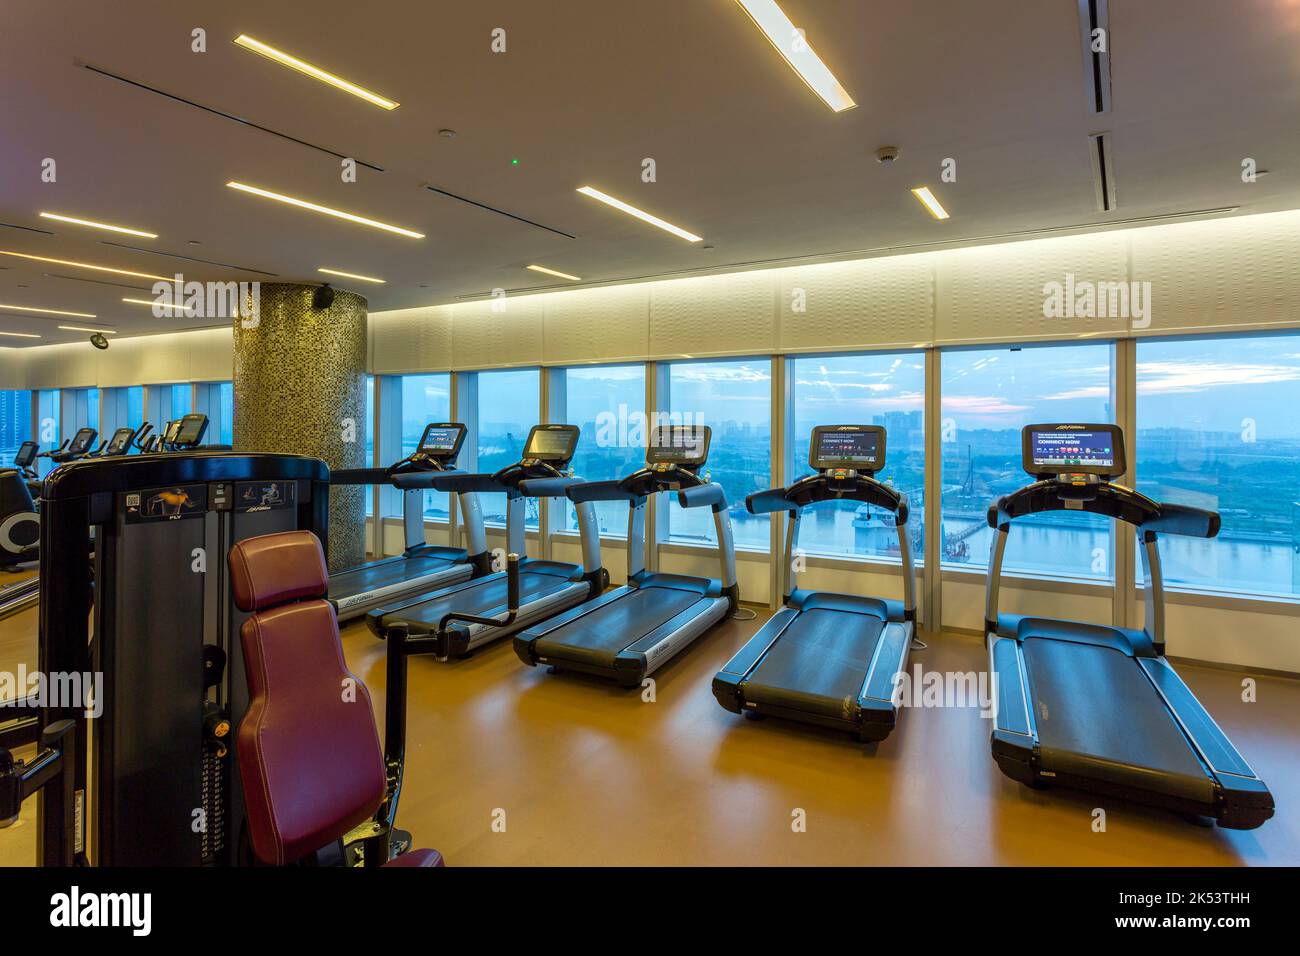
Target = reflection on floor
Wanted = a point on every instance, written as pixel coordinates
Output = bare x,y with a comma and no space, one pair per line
583,772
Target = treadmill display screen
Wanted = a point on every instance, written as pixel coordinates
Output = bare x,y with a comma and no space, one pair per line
1074,449
84,438
443,441
552,442
26,454
679,444
860,447
190,429
121,439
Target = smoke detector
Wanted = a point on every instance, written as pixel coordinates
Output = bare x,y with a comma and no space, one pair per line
885,155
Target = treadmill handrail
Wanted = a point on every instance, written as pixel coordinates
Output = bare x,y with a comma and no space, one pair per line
1106,498
421,480
611,490
711,495
812,489
548,487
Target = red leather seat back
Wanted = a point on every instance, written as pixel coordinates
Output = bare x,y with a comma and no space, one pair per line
309,752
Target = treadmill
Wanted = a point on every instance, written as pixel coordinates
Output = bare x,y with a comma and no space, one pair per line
455,620
829,659
1095,707
629,632
421,567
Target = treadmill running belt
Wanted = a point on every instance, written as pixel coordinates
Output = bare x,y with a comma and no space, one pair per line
480,598
818,664
372,577
1098,716
596,638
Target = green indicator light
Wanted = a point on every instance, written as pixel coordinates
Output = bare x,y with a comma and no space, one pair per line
514,162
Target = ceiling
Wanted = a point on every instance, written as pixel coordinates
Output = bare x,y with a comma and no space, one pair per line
746,156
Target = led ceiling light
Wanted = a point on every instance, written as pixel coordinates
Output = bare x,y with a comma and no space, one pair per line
81,328
21,335
790,43
641,214
351,275
32,308
337,213
87,265
315,72
559,275
181,307
931,203
99,225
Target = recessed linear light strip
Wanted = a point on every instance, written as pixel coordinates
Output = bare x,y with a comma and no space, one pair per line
82,328
790,43
928,199
31,308
315,72
87,265
99,225
558,275
21,335
351,275
326,210
641,214
157,304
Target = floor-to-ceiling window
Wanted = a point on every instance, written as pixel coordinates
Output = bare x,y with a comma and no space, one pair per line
1218,427
426,399
217,401
988,396
734,398
48,424
507,410
881,388
122,408
15,422
608,403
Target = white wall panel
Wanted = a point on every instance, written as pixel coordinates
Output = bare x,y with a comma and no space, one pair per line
857,305
212,355
1243,271
995,293
13,370
411,340
596,325
482,338
717,315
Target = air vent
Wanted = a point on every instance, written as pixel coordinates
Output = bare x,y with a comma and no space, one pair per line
39,232
229,116
116,285
499,212
1103,171
1094,31
174,255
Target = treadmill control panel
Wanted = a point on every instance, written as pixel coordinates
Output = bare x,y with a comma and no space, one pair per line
120,442
553,444
839,450
189,430
1053,450
442,440
82,441
678,446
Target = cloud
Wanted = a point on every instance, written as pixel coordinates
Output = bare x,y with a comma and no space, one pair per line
1168,378
981,405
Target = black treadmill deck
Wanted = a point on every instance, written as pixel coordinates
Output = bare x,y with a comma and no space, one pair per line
382,574
597,638
818,664
482,597
1121,733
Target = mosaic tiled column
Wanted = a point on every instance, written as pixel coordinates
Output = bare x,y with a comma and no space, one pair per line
300,388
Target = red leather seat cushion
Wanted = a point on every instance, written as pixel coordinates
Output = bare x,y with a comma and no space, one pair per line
308,747
418,858
277,568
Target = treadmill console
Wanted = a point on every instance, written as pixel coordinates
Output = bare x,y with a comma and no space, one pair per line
120,443
81,442
552,445
189,430
26,454
1075,453
676,447
170,430
441,441
841,451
